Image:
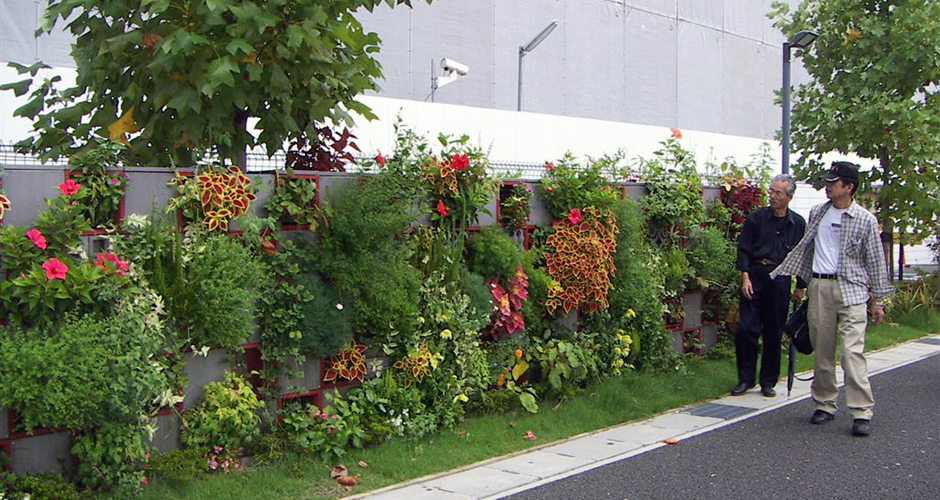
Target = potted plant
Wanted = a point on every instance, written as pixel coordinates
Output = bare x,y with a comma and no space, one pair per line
99,185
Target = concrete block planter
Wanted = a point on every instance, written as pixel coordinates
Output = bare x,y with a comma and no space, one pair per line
201,370
43,453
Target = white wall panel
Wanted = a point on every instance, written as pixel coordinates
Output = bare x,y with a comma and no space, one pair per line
699,77
741,87
650,69
594,61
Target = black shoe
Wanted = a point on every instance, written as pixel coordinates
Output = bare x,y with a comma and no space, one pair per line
740,389
768,392
861,427
821,417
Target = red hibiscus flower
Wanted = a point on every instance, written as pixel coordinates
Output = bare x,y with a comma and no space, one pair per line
55,269
441,208
676,132
120,266
549,165
460,162
380,159
574,216
37,238
69,187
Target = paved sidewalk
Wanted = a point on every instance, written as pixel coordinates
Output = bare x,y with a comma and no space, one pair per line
504,476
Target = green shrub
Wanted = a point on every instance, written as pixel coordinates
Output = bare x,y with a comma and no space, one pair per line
85,371
491,253
179,466
326,324
209,282
37,487
568,185
474,286
111,456
536,316
226,417
223,279
362,252
637,293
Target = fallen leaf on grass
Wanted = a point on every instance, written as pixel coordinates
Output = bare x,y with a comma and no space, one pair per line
348,481
338,471
671,441
512,424
462,433
363,464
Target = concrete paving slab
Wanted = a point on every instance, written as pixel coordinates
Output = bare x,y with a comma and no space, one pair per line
637,434
682,422
419,492
479,482
591,448
540,464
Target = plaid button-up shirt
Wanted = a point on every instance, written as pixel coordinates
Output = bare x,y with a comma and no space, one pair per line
862,270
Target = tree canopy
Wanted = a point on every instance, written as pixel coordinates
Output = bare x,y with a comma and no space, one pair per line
176,79
876,75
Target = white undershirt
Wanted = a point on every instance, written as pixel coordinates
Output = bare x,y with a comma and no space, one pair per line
828,241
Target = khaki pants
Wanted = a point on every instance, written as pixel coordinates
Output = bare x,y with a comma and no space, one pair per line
829,320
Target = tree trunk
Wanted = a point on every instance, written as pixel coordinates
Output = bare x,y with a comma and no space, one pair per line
241,153
884,215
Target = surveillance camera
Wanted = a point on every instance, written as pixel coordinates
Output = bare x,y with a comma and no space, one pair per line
452,66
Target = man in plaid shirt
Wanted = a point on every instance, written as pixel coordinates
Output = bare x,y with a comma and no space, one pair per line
842,253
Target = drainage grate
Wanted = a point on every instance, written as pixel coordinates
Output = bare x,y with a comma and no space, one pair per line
929,341
717,410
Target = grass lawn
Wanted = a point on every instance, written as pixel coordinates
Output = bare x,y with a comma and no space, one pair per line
606,403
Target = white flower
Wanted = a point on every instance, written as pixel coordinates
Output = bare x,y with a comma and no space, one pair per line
339,307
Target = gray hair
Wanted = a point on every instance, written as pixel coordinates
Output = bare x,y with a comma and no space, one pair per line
791,182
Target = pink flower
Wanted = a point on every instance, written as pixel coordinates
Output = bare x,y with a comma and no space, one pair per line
549,165
380,159
213,464
119,265
144,481
460,162
55,269
530,436
37,238
69,187
114,181
574,216
441,208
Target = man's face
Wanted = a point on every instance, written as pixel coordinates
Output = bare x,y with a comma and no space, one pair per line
779,199
838,189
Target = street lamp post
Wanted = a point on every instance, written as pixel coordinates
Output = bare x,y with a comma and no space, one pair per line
529,47
800,41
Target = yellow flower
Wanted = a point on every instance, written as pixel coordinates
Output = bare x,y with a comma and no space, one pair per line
631,314
436,358
446,333
461,398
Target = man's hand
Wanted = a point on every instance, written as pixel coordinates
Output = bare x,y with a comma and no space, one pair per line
798,295
877,313
746,287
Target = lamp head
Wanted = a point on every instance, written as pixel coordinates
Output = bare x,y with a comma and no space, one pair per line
529,47
803,39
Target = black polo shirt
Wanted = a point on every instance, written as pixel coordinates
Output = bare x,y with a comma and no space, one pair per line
767,237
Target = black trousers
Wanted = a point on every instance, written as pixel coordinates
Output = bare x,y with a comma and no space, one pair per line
762,317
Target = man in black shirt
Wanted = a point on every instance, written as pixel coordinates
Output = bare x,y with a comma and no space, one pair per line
767,237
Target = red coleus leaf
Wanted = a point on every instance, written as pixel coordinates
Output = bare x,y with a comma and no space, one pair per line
329,375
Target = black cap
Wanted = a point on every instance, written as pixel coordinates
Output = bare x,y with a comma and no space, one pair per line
844,170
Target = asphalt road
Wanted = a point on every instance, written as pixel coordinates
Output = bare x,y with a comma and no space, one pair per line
780,455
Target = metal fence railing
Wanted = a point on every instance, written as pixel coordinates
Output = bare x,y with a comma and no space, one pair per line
260,162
